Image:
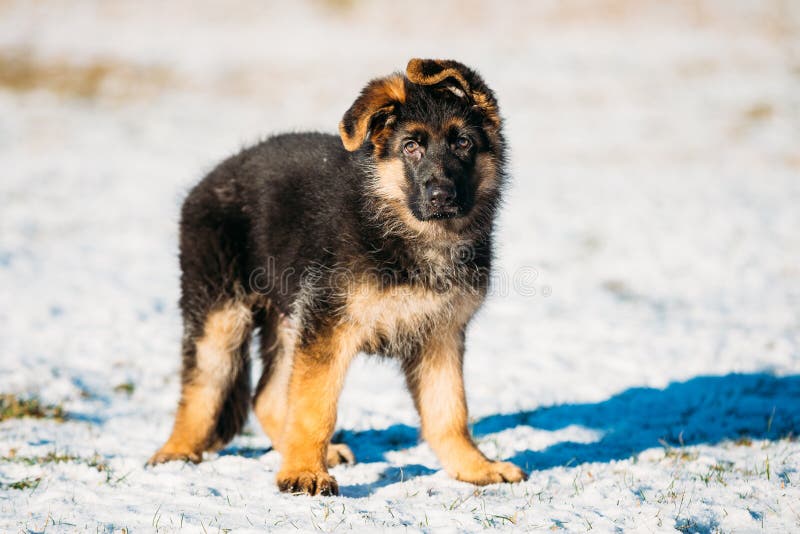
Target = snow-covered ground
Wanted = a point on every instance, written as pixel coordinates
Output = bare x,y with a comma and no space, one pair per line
640,354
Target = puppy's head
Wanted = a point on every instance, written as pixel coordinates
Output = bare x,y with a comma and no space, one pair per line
434,137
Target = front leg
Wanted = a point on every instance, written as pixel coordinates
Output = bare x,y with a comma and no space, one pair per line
436,381
317,376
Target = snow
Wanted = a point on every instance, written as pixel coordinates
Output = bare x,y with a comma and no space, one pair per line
644,319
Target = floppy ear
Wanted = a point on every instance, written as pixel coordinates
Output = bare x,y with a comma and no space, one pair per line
371,110
440,71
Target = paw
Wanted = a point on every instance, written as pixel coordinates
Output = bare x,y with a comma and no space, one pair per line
173,455
339,453
492,473
308,482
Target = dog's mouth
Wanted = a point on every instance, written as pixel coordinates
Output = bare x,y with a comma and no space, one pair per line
435,210
441,213
446,213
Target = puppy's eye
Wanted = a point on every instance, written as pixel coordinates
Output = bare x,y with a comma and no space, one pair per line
410,147
463,142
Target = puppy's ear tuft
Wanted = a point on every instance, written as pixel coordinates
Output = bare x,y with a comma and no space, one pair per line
436,71
446,72
371,111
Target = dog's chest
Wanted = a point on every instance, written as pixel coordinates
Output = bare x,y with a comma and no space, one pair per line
406,311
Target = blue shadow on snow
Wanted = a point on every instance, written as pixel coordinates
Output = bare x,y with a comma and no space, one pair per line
705,409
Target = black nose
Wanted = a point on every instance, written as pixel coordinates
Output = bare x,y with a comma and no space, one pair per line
441,195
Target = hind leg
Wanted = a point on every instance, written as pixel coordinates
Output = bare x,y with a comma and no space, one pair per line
270,400
214,378
217,319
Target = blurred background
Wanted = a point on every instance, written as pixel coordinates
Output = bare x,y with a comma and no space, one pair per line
653,206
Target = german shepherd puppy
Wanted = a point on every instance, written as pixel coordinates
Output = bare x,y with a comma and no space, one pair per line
378,241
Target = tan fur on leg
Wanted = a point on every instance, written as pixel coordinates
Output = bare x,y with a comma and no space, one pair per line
317,377
438,387
202,395
271,403
338,454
